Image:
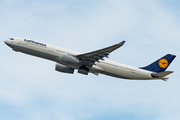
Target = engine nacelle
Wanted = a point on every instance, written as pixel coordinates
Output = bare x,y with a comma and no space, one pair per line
68,59
83,70
64,69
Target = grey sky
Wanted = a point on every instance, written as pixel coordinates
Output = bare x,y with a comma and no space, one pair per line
30,88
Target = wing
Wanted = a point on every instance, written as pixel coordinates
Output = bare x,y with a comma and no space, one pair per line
88,59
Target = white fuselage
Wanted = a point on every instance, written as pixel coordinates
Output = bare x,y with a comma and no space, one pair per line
51,52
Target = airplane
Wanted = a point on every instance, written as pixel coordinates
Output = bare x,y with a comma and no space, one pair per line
92,62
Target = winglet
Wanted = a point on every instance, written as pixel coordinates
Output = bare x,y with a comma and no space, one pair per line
121,43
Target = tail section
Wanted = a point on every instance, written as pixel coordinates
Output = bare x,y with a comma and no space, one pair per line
160,65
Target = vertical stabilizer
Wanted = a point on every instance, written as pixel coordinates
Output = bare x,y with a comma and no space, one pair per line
160,65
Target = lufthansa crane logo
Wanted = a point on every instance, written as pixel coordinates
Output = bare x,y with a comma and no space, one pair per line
163,63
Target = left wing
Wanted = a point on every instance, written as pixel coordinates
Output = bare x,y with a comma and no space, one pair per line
88,59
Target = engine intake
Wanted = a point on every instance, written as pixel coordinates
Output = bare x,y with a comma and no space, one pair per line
83,70
64,69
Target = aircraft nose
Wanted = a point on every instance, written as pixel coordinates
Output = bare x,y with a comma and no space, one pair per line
5,42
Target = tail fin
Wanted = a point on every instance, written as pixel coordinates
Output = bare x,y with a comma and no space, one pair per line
160,65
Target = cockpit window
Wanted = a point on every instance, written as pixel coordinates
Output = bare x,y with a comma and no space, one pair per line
11,38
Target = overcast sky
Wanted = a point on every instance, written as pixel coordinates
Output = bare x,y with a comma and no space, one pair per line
30,88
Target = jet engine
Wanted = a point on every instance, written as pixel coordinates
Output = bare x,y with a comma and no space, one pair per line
83,70
64,69
68,59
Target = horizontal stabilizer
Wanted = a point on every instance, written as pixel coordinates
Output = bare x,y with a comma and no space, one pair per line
161,74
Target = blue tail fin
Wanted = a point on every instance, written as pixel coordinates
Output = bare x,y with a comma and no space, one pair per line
160,65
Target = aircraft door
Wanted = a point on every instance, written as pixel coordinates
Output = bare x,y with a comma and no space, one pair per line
51,49
20,42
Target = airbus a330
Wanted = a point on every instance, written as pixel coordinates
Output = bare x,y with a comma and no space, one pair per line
92,62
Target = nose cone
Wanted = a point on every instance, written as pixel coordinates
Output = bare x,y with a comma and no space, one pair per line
5,42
